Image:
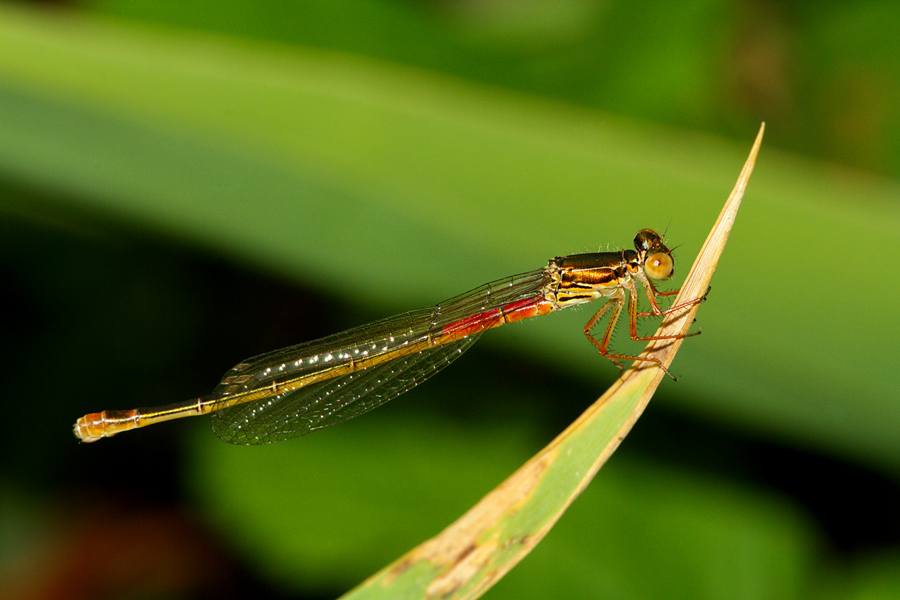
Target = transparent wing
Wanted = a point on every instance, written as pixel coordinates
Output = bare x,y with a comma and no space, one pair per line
404,340
323,404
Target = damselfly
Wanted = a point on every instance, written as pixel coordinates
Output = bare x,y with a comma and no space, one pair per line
297,390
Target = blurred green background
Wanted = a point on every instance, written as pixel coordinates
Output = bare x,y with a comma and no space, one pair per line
185,184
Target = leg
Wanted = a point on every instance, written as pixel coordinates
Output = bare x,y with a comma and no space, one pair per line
633,314
616,304
655,311
604,343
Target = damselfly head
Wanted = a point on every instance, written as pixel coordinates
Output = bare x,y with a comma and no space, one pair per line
658,263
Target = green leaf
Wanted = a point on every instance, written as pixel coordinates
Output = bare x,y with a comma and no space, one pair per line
364,178
472,554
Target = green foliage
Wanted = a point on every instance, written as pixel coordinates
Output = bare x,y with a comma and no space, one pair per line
390,186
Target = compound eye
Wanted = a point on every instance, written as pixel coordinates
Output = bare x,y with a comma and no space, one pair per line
659,266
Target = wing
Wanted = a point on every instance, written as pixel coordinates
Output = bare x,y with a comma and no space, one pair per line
400,351
323,404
